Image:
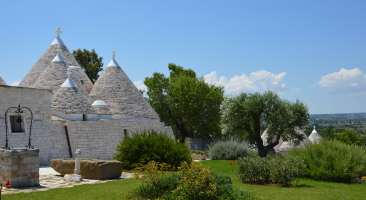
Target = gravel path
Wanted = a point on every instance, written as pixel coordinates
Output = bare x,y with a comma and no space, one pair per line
49,179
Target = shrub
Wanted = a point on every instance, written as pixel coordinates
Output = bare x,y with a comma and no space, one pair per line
229,150
154,181
351,137
191,183
274,169
151,145
332,160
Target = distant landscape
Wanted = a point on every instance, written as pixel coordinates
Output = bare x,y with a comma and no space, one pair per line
347,121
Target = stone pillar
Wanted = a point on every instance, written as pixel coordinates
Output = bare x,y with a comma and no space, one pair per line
76,176
20,167
77,161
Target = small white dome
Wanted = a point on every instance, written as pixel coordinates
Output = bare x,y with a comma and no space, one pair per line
99,103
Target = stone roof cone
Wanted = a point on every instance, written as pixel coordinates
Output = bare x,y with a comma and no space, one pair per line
306,139
285,146
314,137
56,73
120,94
264,137
69,100
101,108
45,60
2,82
53,76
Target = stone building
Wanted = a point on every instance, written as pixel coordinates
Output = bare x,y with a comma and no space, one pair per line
69,112
282,145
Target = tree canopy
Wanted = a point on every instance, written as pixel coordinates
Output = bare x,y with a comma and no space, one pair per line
351,137
249,114
186,103
90,62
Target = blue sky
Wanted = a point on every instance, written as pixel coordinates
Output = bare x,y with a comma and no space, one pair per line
311,50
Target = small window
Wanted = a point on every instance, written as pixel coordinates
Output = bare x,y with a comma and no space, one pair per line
17,124
84,117
82,82
125,133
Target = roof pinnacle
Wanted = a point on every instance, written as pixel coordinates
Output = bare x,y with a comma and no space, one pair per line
58,31
69,82
58,39
113,61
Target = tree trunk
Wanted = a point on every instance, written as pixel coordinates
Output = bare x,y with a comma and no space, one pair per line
182,131
262,151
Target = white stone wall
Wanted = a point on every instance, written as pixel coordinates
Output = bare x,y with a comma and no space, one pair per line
39,102
96,139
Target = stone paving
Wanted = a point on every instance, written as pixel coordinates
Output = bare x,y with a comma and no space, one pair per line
49,179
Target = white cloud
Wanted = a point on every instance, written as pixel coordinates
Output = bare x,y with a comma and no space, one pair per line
16,83
350,82
256,81
140,85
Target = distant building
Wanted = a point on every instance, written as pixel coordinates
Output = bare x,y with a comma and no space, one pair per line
286,145
314,137
69,112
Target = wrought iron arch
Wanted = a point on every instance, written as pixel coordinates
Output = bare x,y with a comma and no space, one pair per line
19,120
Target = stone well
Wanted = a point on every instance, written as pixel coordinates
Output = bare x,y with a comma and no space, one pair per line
20,167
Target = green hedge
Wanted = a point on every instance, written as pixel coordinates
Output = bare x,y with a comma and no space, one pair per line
151,145
270,170
332,160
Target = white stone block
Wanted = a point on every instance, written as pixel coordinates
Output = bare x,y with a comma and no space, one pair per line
72,177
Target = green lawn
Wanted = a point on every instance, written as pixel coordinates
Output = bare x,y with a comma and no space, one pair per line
306,189
108,190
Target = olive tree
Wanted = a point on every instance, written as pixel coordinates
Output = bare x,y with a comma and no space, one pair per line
249,114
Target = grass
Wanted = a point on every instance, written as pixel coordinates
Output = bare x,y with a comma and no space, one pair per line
305,189
109,190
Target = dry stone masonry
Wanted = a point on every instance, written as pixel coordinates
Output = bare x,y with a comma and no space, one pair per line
67,117
20,167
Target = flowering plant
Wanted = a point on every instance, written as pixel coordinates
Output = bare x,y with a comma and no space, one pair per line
232,167
8,184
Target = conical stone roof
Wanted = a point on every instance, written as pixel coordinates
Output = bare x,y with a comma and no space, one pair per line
56,73
101,108
45,60
285,146
120,94
314,137
52,77
2,82
264,137
69,100
305,140
77,71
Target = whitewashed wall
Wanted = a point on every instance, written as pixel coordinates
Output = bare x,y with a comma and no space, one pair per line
96,139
